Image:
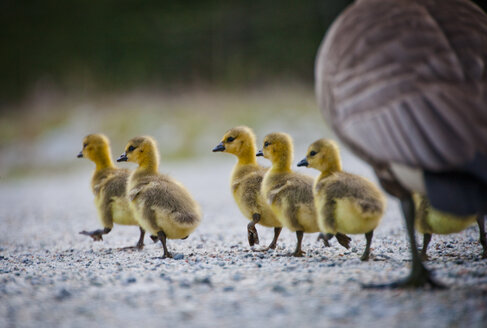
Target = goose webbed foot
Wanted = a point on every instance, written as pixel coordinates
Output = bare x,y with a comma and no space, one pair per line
418,278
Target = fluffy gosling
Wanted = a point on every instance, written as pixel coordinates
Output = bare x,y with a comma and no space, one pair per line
246,181
430,221
289,194
109,185
345,202
162,206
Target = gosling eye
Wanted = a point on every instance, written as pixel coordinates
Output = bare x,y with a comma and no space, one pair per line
84,145
230,139
312,153
131,148
267,143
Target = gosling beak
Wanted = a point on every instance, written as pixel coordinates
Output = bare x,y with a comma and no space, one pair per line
123,157
303,162
259,153
220,147
80,155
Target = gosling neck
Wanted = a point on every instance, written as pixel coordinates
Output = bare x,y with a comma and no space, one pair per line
332,166
149,163
104,161
247,156
282,163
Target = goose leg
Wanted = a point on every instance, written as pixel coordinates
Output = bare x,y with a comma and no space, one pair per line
252,234
368,238
419,275
162,238
97,235
483,242
426,241
299,252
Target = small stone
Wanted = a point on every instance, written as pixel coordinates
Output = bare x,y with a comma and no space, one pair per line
228,289
279,289
178,257
131,280
205,280
62,295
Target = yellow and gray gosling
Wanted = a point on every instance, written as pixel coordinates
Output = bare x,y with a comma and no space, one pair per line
161,205
345,202
430,221
109,185
246,181
289,194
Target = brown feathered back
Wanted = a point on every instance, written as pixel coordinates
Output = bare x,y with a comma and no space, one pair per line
406,81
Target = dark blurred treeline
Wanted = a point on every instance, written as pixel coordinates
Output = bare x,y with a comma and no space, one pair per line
125,43
120,43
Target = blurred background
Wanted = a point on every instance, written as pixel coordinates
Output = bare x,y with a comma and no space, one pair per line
182,71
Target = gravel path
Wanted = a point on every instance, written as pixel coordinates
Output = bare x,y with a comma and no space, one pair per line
51,276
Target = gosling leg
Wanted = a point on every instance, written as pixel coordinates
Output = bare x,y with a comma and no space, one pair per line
273,244
483,242
426,241
252,234
162,238
299,252
97,235
325,238
419,275
368,238
140,244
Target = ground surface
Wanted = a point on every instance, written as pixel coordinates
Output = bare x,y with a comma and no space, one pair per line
52,276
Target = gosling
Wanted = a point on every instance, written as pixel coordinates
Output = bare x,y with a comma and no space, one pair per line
345,202
161,205
289,194
246,181
109,185
429,221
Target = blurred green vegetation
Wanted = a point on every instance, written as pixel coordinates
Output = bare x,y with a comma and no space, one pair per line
119,44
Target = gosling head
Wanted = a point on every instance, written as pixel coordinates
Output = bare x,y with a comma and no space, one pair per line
96,147
322,155
141,150
278,148
239,141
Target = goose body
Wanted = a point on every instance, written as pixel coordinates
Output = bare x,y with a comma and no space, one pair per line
403,84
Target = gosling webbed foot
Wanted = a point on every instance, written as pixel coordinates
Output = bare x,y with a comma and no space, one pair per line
252,235
96,235
364,257
132,248
164,256
298,253
343,240
325,239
